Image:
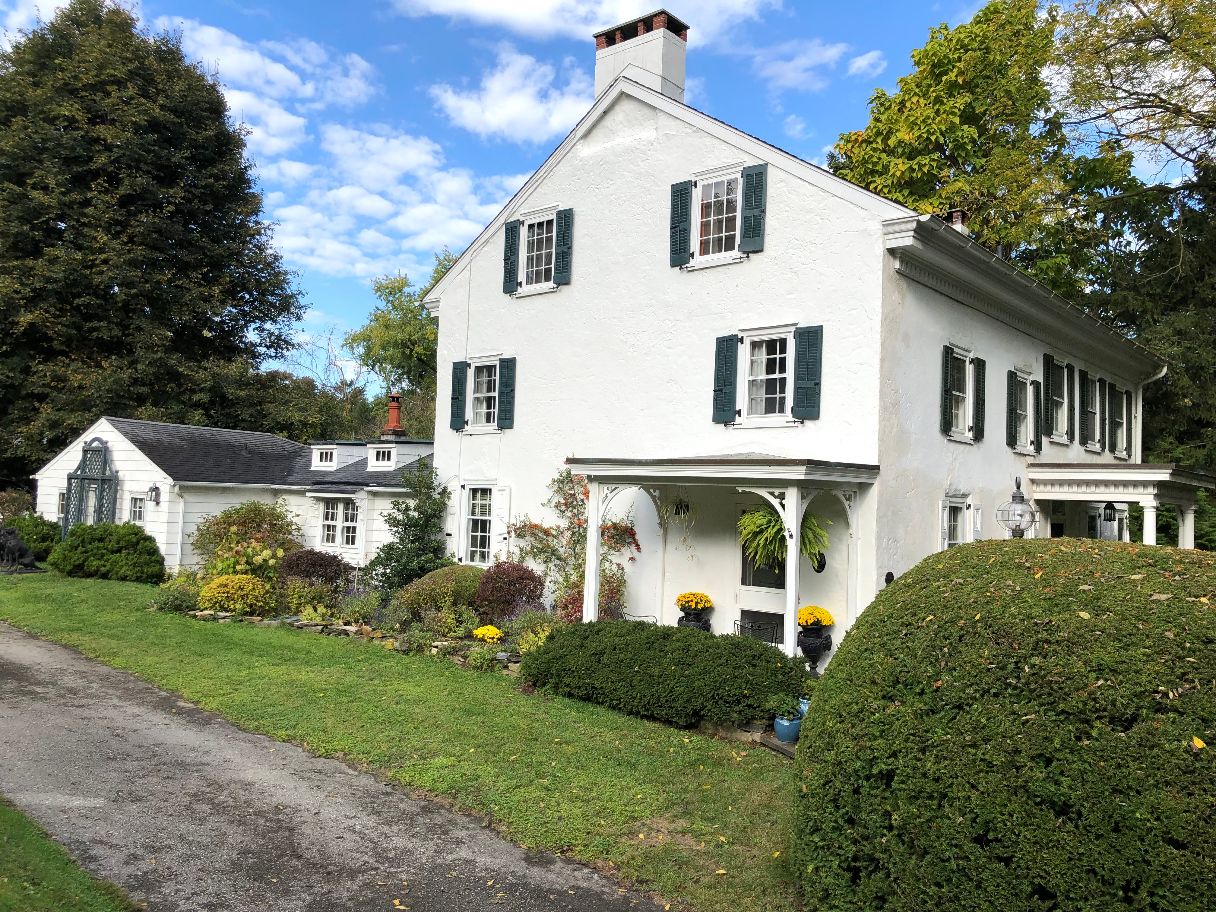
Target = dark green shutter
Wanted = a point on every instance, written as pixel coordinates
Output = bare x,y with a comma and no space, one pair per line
979,415
726,366
1011,409
1083,420
460,379
1049,413
506,393
563,246
755,200
1100,436
681,223
1036,394
510,258
1070,376
808,372
947,390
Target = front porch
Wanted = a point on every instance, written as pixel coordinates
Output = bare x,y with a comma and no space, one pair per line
1151,485
698,502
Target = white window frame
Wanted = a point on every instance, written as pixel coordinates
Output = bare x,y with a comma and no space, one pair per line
376,464
330,512
339,525
491,421
325,458
527,219
729,172
1124,428
743,372
966,529
349,531
1059,428
1096,431
137,510
1025,445
61,504
967,433
472,526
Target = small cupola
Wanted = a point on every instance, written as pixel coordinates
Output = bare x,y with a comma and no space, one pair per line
649,50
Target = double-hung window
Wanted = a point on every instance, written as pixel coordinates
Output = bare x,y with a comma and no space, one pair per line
768,375
61,505
538,243
1020,414
1118,422
1093,426
963,374
329,522
136,514
485,394
350,523
1059,401
954,528
477,525
340,523
718,215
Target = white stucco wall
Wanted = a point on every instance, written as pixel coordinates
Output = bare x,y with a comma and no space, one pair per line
920,464
620,362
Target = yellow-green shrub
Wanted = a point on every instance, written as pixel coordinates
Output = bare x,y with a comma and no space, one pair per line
237,593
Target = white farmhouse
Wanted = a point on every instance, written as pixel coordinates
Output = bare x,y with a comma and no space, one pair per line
170,477
701,323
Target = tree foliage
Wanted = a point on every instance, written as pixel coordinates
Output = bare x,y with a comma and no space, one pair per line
417,546
134,260
974,127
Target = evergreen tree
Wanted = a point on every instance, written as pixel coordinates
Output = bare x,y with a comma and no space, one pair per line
418,545
134,260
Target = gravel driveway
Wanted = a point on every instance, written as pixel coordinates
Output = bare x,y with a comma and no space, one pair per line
188,812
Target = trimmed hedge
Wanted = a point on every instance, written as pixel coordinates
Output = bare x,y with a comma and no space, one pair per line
674,674
446,589
107,551
1009,726
40,535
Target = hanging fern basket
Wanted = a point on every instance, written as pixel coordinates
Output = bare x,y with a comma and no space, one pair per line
762,534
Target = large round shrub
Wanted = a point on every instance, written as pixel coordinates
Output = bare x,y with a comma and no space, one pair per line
1009,726
272,525
237,593
40,535
676,674
108,551
507,588
449,588
315,566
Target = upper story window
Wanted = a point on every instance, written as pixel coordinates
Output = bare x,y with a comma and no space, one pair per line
324,458
485,394
538,251
1118,405
383,456
1059,399
477,525
768,377
1022,413
963,382
718,217
136,514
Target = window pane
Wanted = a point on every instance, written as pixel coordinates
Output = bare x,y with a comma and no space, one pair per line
767,376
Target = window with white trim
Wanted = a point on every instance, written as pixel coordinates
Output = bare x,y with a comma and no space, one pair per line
485,394
1118,423
383,457
762,577
1059,404
718,215
136,513
537,240
1023,414
955,530
324,458
1092,413
350,524
765,372
61,505
478,519
340,523
960,393
329,522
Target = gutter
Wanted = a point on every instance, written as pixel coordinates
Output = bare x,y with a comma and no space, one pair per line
1138,456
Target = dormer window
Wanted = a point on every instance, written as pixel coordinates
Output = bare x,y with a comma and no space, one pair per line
382,458
324,458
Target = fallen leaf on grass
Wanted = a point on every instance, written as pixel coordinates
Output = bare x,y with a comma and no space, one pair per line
1159,597
720,871
1197,743
1083,614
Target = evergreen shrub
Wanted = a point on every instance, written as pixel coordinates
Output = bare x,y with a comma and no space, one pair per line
674,674
446,589
109,551
1018,725
40,535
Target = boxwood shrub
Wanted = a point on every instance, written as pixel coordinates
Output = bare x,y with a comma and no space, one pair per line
107,551
40,535
1010,726
675,674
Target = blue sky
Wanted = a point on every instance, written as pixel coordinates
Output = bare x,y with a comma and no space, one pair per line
384,130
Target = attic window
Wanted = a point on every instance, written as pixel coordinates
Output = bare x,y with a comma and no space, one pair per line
324,459
384,457
325,456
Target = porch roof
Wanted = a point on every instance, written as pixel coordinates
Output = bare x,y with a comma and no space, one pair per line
730,469
1130,482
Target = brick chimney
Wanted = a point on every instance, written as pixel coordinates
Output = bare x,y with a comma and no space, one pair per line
649,50
393,427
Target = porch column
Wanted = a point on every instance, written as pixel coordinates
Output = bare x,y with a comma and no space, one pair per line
1150,523
1186,527
793,560
591,578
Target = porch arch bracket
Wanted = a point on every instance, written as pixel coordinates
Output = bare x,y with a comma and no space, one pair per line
776,497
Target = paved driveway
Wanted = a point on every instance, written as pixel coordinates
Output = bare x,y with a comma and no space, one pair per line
188,812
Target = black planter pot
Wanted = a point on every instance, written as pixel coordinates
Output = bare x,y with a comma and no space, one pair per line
814,641
697,619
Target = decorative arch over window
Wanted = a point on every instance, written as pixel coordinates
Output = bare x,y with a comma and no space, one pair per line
92,495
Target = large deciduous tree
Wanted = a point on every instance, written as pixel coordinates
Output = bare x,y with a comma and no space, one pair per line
134,259
973,127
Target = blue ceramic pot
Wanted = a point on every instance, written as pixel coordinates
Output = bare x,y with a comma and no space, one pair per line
804,705
787,729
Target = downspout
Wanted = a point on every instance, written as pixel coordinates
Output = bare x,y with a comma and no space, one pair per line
181,526
1138,455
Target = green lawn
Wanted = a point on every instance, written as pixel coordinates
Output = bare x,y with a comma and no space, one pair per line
37,875
696,820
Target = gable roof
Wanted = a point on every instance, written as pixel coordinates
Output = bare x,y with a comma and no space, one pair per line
822,178
206,455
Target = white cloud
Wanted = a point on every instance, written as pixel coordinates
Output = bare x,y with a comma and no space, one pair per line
287,171
794,127
582,18
868,65
798,65
520,100
273,129
379,157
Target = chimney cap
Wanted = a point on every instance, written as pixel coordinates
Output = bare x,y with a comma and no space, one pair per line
651,22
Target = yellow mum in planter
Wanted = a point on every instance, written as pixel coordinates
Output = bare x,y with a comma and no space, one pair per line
488,634
809,614
693,601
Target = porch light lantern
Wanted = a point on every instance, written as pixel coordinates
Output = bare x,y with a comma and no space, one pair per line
1018,515
154,494
1108,513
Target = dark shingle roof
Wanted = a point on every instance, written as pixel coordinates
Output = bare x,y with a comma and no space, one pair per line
187,453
